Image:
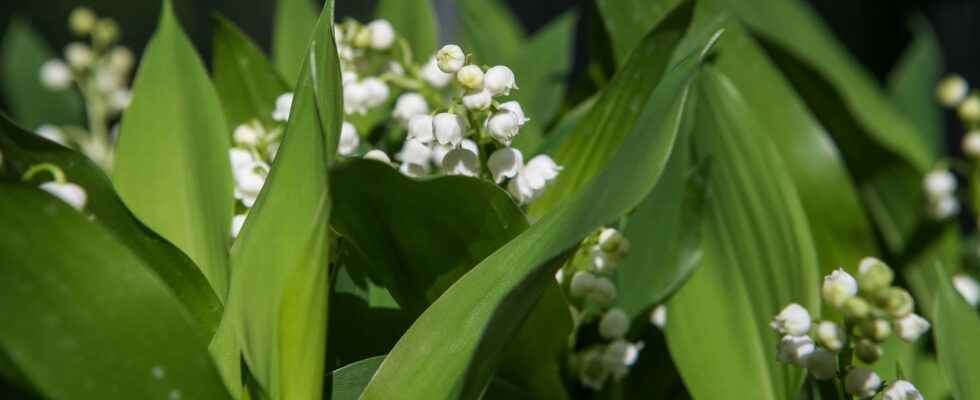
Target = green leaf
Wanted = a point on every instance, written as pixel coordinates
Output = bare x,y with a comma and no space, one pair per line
348,382
92,319
278,295
30,102
171,167
490,30
912,84
956,327
415,21
628,21
292,32
246,81
22,150
595,140
454,346
759,257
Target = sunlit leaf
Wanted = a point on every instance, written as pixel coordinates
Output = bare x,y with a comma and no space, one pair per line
246,81
292,30
627,21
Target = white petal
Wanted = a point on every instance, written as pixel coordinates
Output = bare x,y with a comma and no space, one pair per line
505,163
414,152
349,139
420,127
461,162
68,192
377,155
413,170
448,128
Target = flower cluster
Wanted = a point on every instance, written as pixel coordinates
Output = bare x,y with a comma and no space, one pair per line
100,69
873,309
594,295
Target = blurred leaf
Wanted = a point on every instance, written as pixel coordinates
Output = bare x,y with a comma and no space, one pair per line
490,31
956,327
628,21
596,138
566,126
279,290
759,257
454,346
414,20
247,83
91,320
30,102
292,32
171,167
912,84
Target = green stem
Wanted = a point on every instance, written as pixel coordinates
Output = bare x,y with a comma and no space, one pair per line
56,172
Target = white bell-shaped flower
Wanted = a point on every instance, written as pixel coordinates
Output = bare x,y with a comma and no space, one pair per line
377,155
448,128
515,107
505,163
413,170
971,144
239,158
531,181
284,104
79,55
658,317
356,97
249,179
348,77
944,207
432,75
901,390
503,126
439,152
68,192
349,139
461,161
583,282
377,92
247,135
499,80
968,287
838,287
830,336
910,327
52,133
236,224
382,34
470,145
421,128
939,183
614,324
792,320
478,100
862,382
603,292
795,349
450,58
952,90
414,152
470,77
55,75
409,105
120,99
821,363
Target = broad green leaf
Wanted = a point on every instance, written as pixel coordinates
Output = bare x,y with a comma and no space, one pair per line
414,20
466,328
956,327
279,291
348,382
246,81
759,257
171,167
595,140
490,30
292,30
30,102
912,83
628,21
22,150
92,319
420,242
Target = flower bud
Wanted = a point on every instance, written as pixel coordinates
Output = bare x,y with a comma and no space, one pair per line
658,317
448,128
376,92
81,20
830,336
603,293
499,80
409,105
619,356
67,192
868,351
377,155
420,127
105,31
821,363
79,56
471,77
583,282
968,288
795,349
349,139
901,390
120,59
450,58
382,34
971,144
600,260
55,75
910,327
874,275
969,110
952,90
939,183
477,100
284,104
503,126
838,287
862,382
614,324
896,301
461,161
505,163
613,242
792,320
592,371
432,75
856,308
944,207
246,135
875,329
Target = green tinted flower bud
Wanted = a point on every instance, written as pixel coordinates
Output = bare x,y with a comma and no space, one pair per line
969,109
856,308
830,336
876,329
105,31
81,21
362,38
897,302
868,351
874,275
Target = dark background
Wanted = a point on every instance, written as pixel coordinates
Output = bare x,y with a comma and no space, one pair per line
875,31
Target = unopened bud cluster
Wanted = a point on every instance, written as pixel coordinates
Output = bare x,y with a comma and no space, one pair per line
873,310
594,294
